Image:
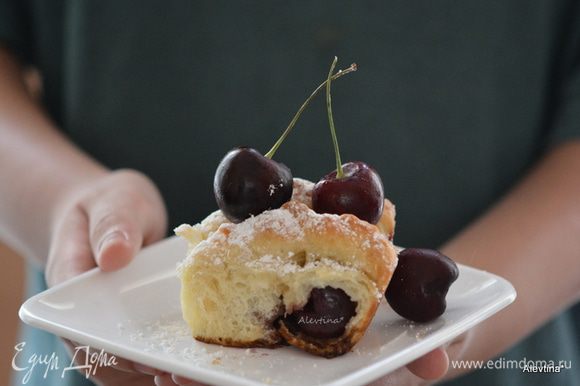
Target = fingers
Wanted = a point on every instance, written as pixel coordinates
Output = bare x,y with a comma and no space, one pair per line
124,216
70,252
107,224
432,365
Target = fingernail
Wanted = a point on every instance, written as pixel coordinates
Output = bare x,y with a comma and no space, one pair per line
162,380
112,237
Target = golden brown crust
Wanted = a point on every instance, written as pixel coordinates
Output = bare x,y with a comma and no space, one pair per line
349,240
387,221
345,238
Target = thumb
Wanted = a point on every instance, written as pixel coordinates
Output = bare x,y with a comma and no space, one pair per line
431,366
116,233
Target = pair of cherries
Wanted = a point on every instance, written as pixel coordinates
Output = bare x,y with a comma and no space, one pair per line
248,183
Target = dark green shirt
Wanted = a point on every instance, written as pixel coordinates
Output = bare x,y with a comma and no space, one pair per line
453,102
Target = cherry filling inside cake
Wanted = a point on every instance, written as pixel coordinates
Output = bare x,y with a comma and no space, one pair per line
326,314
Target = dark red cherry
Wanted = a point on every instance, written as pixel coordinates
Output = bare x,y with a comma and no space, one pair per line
358,192
246,183
324,316
420,283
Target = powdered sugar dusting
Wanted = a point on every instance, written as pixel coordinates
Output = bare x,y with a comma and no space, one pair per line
183,228
302,191
279,221
318,222
169,335
291,222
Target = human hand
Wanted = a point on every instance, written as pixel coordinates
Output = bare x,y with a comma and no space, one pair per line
104,224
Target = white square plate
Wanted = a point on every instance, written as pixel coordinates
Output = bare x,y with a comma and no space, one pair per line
135,313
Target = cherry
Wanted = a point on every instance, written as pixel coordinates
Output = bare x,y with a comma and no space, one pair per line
246,183
358,192
420,283
354,187
324,316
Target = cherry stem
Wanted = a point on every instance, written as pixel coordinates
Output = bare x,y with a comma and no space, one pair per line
340,73
339,171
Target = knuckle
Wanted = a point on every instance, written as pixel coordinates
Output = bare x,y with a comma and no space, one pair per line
131,175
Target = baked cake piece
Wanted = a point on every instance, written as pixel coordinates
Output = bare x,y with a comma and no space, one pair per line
265,281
